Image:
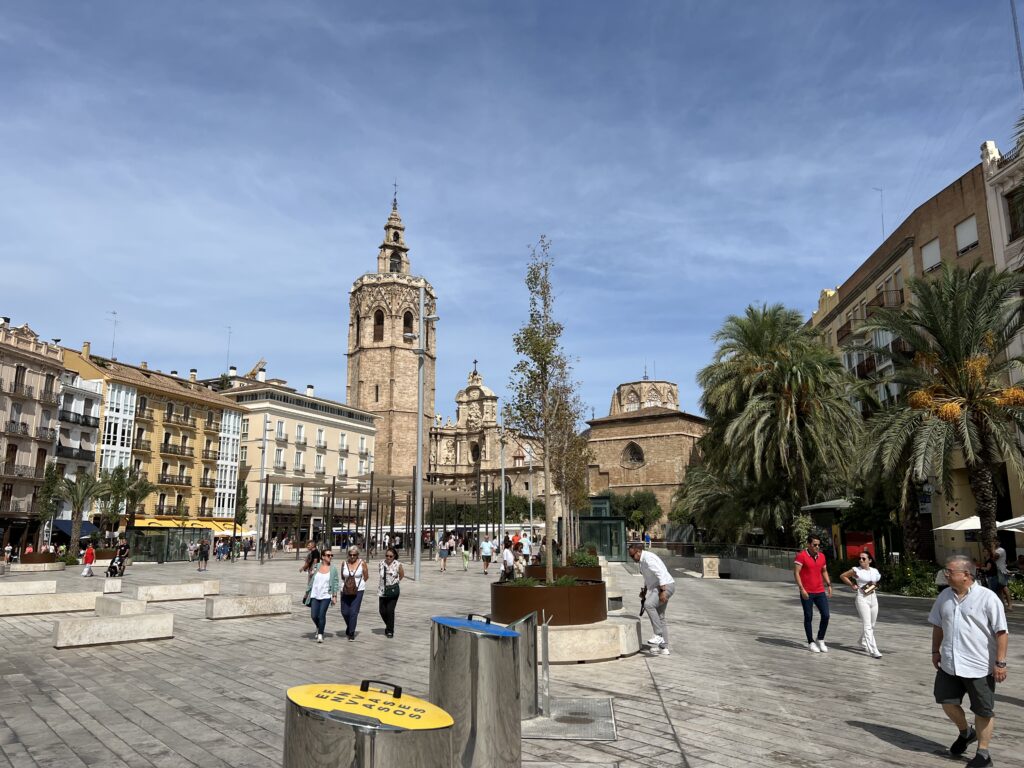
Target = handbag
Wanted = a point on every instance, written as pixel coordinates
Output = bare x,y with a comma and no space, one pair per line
869,589
391,590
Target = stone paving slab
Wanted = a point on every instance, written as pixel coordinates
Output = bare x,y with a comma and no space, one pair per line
740,689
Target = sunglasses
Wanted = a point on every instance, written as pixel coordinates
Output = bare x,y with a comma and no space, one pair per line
328,557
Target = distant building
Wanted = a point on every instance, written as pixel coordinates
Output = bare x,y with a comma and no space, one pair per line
79,417
645,443
30,371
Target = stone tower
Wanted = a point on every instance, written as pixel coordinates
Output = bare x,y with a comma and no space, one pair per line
383,318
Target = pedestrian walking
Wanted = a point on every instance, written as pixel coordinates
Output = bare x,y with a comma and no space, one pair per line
466,544
312,558
354,574
815,587
659,586
443,552
7,552
321,593
486,551
527,548
389,588
508,562
969,645
204,555
863,578
88,560
999,578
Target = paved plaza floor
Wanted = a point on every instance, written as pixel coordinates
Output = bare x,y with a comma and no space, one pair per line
741,688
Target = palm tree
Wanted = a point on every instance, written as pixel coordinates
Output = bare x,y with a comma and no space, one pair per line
137,489
79,492
957,399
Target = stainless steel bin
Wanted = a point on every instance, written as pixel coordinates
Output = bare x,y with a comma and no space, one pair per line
364,726
527,629
474,676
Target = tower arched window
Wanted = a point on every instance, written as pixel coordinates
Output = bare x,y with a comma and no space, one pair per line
378,325
474,452
359,328
407,327
394,236
632,456
396,261
632,402
653,399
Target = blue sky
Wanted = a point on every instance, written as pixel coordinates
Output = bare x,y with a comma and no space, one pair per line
195,165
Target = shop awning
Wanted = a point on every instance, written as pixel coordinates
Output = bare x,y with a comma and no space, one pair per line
64,526
170,523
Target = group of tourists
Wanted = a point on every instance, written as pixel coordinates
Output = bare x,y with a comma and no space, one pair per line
969,633
327,585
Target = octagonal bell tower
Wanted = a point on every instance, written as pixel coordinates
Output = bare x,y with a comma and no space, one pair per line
383,319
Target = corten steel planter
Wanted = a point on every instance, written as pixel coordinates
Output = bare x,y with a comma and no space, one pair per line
586,602
106,554
35,558
585,572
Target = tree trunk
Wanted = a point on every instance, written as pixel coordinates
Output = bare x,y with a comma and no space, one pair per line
984,490
549,518
912,524
76,530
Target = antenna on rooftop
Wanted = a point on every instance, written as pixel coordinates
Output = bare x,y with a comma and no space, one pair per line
881,206
227,355
113,336
1016,40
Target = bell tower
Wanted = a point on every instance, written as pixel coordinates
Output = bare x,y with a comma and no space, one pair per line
383,339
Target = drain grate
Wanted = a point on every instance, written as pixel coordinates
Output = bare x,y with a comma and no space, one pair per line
574,720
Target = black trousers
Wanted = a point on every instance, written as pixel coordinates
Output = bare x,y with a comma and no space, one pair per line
387,612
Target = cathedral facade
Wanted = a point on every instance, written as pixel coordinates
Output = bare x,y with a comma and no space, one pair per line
383,343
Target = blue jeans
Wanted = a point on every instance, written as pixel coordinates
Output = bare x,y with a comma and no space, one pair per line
350,611
318,612
815,599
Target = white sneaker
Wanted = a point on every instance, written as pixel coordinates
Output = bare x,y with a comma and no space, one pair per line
656,640
822,647
813,648
863,642
319,638
876,655
663,651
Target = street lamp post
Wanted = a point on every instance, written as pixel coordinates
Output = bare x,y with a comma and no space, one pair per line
260,501
501,453
421,353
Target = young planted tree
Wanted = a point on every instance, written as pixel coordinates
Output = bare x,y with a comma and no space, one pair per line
241,507
541,383
80,492
957,399
48,499
137,489
569,459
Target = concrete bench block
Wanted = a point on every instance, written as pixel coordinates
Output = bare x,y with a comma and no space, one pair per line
210,586
34,567
111,585
613,638
15,605
71,633
28,588
235,607
262,588
160,592
119,606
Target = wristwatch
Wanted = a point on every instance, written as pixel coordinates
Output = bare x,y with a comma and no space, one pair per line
1000,665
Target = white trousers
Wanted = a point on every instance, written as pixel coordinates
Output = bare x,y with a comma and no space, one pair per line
867,609
87,571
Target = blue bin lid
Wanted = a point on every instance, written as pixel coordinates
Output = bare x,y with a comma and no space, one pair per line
471,625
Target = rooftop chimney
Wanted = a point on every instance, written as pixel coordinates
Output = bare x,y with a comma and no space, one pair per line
192,375
261,374
144,365
4,322
174,373
232,371
309,390
86,348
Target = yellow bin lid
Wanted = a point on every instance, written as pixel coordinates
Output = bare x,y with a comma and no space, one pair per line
391,708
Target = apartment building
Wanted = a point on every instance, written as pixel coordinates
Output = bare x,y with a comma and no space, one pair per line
30,370
78,437
312,444
182,437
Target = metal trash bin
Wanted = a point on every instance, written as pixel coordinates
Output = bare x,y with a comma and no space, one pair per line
356,726
527,629
474,676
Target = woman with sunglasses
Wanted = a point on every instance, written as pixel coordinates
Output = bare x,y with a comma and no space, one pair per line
863,579
354,575
391,574
322,592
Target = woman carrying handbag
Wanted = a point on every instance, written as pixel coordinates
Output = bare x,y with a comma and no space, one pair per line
866,577
354,574
388,590
321,593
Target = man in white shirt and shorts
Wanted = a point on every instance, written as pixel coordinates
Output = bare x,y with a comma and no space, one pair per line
659,586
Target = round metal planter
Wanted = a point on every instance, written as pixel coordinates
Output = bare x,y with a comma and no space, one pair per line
364,726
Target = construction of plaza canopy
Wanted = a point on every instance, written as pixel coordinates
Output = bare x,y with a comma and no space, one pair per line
733,693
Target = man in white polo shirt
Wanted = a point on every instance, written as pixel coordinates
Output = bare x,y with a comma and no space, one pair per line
969,641
659,586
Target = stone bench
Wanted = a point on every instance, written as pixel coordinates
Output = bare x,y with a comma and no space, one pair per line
28,588
111,584
613,638
193,590
236,607
262,588
17,605
34,567
119,606
71,633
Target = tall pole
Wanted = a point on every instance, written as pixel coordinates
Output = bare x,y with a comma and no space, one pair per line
531,493
261,498
420,355
502,455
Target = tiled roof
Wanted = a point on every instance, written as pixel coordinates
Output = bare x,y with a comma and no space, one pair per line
647,413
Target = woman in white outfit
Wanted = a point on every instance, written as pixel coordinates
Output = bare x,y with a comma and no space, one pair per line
863,579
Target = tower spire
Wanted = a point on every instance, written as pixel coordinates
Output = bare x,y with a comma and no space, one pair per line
394,200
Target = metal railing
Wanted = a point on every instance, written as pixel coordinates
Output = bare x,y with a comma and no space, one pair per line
143,445
49,396
169,509
211,454
300,441
9,469
78,418
208,482
145,414
16,428
19,390
182,420
177,450
45,433
78,454
176,479
213,426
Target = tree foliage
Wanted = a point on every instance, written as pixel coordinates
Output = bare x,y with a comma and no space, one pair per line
48,498
641,508
79,492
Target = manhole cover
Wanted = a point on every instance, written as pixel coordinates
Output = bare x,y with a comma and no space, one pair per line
574,720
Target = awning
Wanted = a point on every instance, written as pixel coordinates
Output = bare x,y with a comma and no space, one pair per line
170,523
834,504
64,526
972,523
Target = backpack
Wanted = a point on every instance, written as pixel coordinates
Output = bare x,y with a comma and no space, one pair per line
350,588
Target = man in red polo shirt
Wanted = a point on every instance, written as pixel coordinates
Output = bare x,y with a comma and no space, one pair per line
813,580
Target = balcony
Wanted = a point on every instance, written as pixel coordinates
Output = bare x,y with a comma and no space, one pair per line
176,479
280,466
299,469
364,453
142,445
321,445
11,507
343,451
900,347
848,328
208,482
300,442
144,414
865,367
18,428
885,300
211,454
45,433
78,418
180,420
22,470
50,397
170,509
281,437
320,472
17,389
212,426
78,454
177,450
